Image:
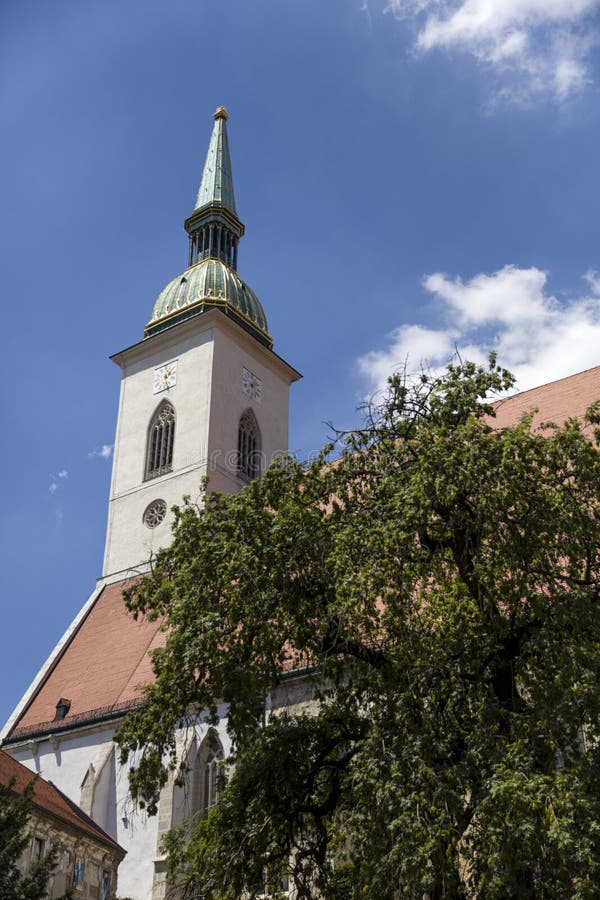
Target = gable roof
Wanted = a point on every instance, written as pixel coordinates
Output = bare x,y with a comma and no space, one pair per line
49,799
100,670
556,401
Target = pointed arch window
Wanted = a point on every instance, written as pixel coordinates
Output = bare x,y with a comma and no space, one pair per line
209,774
249,446
161,437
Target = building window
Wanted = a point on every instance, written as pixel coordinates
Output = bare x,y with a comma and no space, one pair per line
154,513
79,870
105,885
208,778
39,849
161,436
272,887
249,446
212,787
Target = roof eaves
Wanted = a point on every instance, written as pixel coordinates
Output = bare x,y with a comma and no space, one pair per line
70,723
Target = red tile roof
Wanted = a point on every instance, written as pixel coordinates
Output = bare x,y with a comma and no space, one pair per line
49,799
100,670
556,401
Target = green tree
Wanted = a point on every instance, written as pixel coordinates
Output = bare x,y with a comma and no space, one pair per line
435,593
15,812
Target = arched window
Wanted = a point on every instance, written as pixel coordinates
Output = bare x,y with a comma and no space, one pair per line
208,777
249,446
161,436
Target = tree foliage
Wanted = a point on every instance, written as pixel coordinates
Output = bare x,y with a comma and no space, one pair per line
15,812
434,592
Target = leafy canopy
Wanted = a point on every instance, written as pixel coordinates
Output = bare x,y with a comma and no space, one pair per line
408,643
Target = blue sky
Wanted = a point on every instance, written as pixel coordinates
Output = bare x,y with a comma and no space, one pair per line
414,175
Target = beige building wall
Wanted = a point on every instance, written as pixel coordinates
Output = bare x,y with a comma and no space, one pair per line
100,863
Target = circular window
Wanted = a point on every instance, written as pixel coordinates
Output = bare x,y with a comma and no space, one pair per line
155,513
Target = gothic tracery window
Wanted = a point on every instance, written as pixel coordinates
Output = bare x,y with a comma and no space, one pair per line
208,777
249,446
154,513
161,435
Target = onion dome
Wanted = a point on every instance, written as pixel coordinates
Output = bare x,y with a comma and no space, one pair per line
209,284
211,280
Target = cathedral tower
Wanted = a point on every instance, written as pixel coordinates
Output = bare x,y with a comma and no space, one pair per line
202,394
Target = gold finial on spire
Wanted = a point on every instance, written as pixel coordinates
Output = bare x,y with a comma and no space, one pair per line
220,113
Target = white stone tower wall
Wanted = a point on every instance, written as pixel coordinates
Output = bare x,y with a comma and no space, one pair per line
211,354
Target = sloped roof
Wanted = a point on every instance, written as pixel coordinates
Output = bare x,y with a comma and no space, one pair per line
48,798
556,401
100,670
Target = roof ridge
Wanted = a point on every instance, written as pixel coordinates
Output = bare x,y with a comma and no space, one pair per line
547,384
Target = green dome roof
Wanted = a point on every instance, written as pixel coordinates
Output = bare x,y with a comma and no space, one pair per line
206,285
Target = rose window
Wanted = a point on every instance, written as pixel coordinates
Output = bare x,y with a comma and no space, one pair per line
155,513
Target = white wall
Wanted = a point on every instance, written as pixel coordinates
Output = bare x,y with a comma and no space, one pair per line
211,352
128,541
233,352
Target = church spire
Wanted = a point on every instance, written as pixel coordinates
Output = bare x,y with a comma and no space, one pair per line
214,227
216,186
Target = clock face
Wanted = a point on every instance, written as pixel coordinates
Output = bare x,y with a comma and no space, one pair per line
251,385
165,377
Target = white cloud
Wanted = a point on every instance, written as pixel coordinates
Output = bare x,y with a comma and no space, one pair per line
536,335
593,279
509,296
62,474
535,46
105,452
411,345
364,8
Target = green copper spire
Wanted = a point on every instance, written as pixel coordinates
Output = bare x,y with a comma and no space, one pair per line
211,280
216,186
214,227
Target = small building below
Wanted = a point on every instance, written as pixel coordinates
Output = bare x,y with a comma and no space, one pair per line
88,858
